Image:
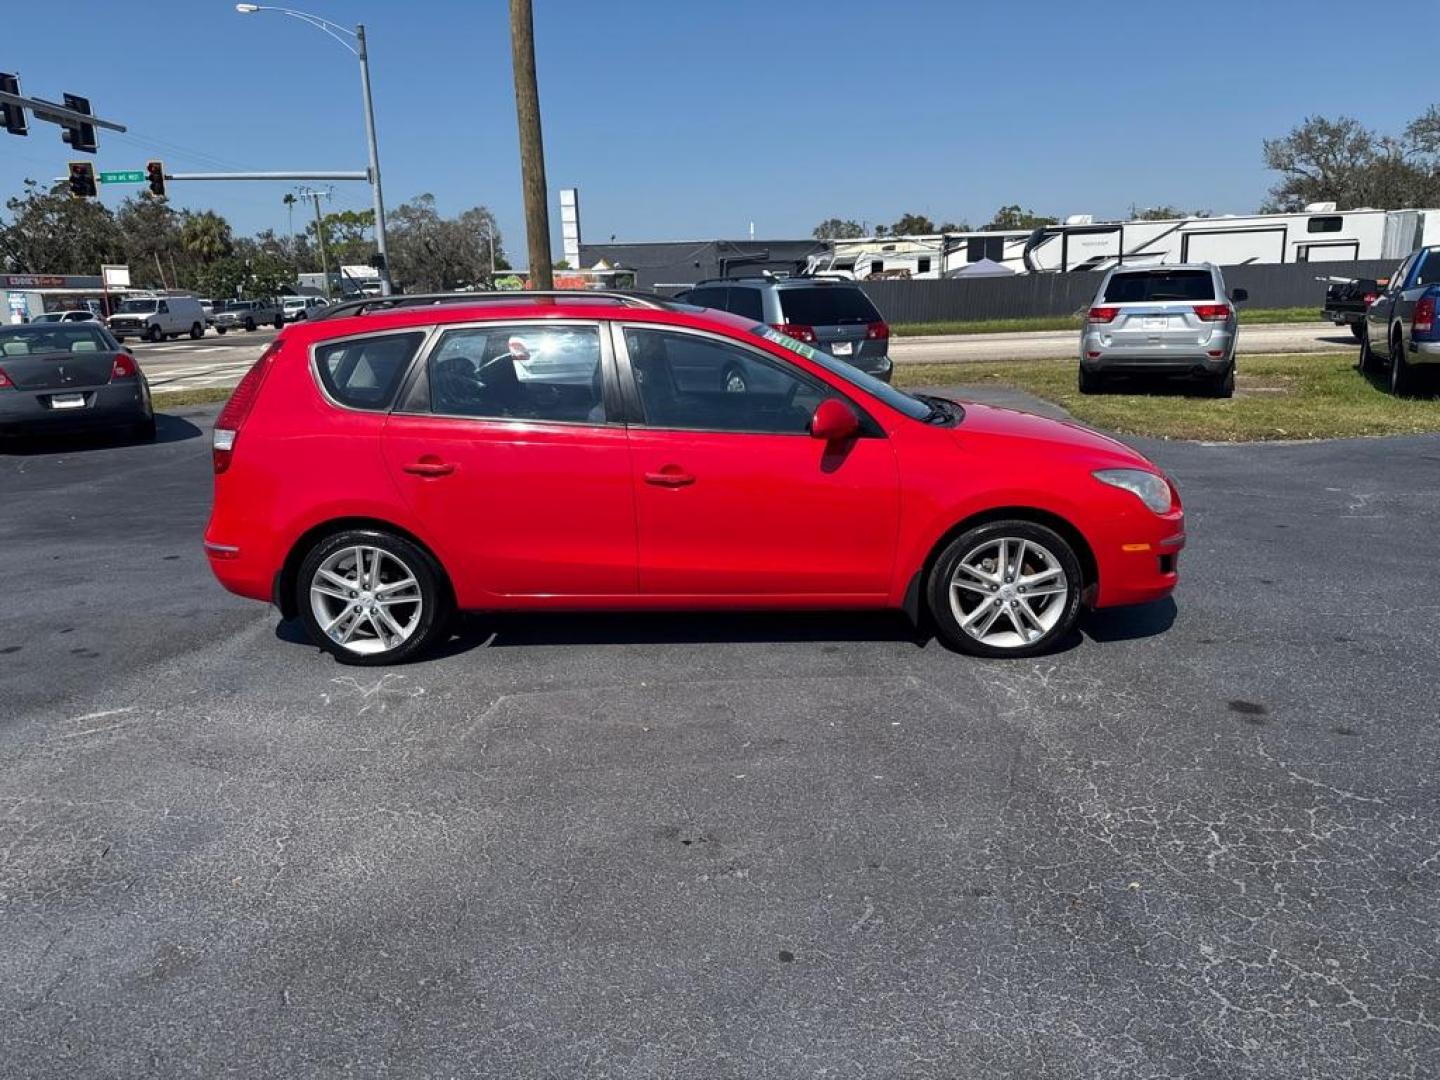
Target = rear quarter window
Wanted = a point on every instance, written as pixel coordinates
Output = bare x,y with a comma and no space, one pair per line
748,303
1154,286
364,373
821,305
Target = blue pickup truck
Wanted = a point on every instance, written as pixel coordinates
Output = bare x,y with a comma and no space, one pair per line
1400,325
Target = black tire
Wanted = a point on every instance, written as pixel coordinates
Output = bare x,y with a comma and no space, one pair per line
144,431
1369,363
196,331
279,322
249,326
1357,330
1404,381
1091,382
1223,385
221,330
939,589
436,607
120,338
153,334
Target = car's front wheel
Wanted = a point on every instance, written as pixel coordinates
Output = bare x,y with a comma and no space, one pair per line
1005,588
370,597
153,333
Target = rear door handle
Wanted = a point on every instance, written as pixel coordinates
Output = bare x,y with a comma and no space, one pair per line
429,467
670,477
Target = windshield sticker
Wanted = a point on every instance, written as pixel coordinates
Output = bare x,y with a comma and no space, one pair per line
769,333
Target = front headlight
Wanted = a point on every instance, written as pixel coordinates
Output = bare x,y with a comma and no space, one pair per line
1148,487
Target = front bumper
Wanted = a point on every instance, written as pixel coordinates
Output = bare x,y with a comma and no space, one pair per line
1138,557
113,406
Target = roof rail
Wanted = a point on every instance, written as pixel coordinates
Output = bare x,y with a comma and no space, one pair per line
387,303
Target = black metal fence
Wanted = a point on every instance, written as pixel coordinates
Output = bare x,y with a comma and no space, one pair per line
1032,295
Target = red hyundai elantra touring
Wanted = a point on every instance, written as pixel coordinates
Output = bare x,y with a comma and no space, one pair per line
391,462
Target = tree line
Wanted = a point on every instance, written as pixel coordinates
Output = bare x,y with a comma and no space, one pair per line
48,232
1320,160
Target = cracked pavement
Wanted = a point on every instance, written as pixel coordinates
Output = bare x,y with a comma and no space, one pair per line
1199,842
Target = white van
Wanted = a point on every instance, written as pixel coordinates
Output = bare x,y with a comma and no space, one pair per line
156,317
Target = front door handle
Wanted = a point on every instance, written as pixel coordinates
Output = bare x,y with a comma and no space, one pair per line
671,476
429,467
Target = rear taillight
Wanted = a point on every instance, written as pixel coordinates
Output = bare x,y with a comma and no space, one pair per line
1370,298
1212,312
796,331
5,381
877,331
123,368
1102,314
232,416
1424,318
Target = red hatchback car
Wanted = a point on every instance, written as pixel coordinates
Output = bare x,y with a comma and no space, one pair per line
394,461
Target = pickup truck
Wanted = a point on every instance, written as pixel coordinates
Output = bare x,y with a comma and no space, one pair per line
248,314
1401,329
1346,300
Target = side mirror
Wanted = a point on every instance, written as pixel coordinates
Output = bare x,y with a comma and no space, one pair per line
1239,295
834,421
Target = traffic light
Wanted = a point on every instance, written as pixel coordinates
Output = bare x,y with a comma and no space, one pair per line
80,136
12,117
82,180
155,177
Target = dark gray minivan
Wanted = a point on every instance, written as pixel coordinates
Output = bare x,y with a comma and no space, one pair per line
834,316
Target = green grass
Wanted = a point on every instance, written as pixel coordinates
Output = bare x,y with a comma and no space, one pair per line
1289,396
1072,322
206,395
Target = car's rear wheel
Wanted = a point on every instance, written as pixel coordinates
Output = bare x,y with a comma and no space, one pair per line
370,597
196,331
1357,329
1091,382
1006,588
1223,385
1368,362
279,322
144,431
1402,375
221,329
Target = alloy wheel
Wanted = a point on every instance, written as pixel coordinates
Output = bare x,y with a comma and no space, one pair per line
1008,592
366,600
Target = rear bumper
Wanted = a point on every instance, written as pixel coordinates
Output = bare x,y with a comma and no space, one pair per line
24,413
878,366
1212,356
1424,352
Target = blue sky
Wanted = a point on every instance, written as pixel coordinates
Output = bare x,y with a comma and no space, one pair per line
683,120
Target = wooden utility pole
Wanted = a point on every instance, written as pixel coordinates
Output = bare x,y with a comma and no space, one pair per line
532,150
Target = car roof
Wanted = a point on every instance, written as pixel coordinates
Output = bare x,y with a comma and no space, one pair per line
491,309
779,283
1164,268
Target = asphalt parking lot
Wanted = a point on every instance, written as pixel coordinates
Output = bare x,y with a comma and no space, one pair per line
1201,841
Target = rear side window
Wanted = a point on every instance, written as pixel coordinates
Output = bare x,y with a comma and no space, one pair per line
364,373
747,302
1429,273
821,305
711,298
1139,287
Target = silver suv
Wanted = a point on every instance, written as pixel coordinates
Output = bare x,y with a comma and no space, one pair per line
1163,320
833,316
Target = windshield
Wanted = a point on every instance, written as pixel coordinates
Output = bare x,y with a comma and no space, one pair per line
36,339
132,307
898,400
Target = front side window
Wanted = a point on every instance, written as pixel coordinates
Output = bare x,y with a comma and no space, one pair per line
136,307
519,372
364,373
702,384
1429,272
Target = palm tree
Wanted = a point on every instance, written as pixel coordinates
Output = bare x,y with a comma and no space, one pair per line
206,236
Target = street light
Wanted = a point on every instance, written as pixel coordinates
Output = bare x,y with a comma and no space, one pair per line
358,50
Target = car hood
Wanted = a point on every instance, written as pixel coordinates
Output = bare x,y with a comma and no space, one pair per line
992,421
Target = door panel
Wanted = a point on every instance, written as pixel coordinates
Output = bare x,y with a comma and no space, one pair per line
733,497
522,481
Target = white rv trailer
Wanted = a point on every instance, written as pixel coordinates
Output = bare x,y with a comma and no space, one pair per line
1319,233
